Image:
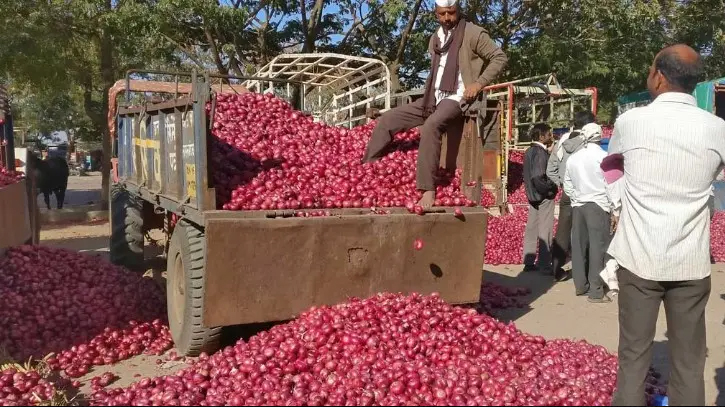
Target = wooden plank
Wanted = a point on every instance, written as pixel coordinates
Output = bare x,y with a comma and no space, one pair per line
15,226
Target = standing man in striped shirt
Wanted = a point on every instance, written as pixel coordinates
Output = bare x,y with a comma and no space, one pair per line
672,153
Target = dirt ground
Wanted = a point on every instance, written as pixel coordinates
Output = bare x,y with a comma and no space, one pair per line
553,311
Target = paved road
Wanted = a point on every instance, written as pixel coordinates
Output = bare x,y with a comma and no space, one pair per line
81,191
555,312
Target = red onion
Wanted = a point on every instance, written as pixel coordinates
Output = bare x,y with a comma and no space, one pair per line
8,177
505,237
23,388
81,308
418,244
266,156
388,350
607,131
717,237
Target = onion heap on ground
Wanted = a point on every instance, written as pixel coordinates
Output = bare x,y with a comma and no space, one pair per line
388,350
81,308
22,386
8,177
717,237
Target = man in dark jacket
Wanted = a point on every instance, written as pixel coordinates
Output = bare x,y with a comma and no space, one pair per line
540,191
464,61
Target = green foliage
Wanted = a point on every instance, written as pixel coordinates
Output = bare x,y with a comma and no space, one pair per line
61,56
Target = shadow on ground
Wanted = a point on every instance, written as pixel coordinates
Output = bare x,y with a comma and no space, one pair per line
538,283
720,380
73,197
81,244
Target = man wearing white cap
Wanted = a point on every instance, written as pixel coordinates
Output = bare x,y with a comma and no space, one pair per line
464,61
585,185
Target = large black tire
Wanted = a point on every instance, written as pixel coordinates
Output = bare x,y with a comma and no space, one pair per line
126,229
185,292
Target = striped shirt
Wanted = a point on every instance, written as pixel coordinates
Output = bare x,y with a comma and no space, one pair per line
672,153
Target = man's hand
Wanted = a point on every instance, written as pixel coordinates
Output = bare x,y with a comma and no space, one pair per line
613,224
472,91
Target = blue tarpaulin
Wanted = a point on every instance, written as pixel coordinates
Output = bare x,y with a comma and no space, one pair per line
704,93
605,144
719,195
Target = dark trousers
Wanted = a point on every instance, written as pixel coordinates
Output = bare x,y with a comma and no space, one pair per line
539,228
639,304
590,237
447,119
562,240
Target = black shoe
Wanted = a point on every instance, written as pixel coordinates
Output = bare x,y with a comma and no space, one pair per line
529,268
603,300
561,275
582,293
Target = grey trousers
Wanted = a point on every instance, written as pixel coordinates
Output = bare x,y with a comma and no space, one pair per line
539,231
447,119
562,239
639,305
590,237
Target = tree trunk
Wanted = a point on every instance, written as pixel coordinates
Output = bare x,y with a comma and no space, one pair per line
394,77
107,78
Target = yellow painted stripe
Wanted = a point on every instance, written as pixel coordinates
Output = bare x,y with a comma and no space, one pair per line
147,143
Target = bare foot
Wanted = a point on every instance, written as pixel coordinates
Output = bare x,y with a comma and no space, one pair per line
428,199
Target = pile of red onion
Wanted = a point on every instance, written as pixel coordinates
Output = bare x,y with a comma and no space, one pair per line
515,188
81,308
388,350
717,237
8,177
505,237
24,388
268,156
607,131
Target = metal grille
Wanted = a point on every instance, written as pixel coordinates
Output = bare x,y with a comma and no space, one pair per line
336,88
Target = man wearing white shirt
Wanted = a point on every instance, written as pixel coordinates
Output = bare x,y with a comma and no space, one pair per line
590,234
555,171
464,61
672,152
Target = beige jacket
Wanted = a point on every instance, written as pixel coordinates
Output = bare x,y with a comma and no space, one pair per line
479,59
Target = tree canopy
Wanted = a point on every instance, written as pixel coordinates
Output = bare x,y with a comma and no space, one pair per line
60,57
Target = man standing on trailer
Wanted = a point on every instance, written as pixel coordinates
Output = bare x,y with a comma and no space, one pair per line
672,152
464,61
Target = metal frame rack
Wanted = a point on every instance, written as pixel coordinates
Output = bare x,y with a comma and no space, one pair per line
337,89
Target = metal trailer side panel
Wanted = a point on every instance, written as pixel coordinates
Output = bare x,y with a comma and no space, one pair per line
260,270
165,145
